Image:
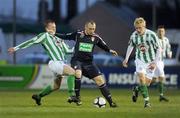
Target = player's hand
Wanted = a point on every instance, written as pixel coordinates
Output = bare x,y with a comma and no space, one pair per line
169,55
11,50
125,63
114,53
152,66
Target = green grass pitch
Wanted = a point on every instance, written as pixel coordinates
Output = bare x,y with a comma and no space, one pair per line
18,104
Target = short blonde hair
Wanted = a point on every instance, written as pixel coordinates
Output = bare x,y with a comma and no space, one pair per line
139,20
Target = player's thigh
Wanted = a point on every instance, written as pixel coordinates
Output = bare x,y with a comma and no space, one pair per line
148,81
56,66
77,66
149,74
140,70
92,71
68,70
141,77
159,73
140,67
143,71
156,72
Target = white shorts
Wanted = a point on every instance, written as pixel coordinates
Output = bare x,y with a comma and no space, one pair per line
159,71
56,67
142,67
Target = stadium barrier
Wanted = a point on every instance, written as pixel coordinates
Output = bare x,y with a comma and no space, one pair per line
26,77
39,76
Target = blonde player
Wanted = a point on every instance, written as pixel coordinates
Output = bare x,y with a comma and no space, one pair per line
159,72
147,48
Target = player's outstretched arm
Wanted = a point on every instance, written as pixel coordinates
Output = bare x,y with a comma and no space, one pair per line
28,43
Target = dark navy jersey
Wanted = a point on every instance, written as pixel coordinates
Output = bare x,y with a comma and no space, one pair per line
85,44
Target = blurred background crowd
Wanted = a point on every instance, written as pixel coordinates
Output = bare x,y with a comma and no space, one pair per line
21,20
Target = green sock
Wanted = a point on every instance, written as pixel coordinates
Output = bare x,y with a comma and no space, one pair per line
70,83
46,91
161,88
138,87
144,92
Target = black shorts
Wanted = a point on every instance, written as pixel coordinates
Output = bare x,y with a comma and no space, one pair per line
89,69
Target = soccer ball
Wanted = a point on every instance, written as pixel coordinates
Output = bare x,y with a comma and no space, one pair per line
99,102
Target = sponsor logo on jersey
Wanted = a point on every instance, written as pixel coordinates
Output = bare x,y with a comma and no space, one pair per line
58,42
85,47
143,47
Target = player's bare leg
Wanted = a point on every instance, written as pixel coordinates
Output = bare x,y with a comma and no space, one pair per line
68,70
48,90
143,90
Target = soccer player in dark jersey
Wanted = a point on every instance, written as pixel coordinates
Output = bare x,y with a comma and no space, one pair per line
82,60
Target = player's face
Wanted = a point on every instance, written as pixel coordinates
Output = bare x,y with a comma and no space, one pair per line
161,32
90,29
140,28
51,28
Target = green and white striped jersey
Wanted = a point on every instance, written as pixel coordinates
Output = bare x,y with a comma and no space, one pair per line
165,46
54,46
146,45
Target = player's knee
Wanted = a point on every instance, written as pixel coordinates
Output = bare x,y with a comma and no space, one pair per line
72,71
68,70
78,73
142,78
161,79
148,83
99,80
140,75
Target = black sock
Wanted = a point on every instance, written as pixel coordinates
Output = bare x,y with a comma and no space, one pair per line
77,86
106,93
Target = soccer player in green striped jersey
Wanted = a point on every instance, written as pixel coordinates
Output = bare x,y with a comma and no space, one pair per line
56,49
166,51
147,53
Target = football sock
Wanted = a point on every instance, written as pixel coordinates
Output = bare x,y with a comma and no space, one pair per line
161,88
144,92
138,87
77,86
105,92
70,83
46,91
